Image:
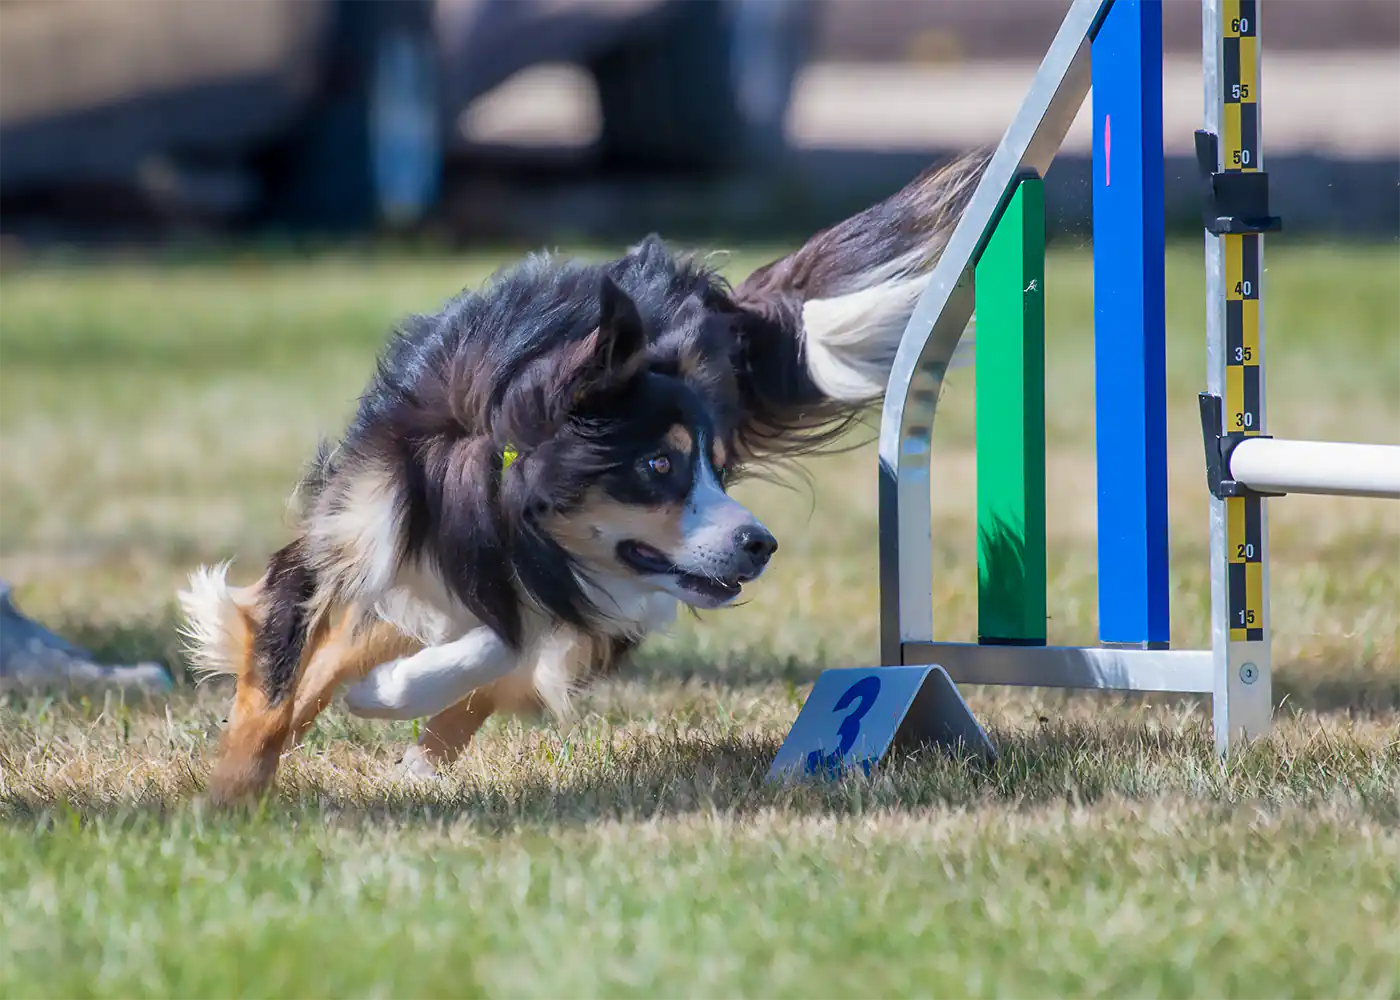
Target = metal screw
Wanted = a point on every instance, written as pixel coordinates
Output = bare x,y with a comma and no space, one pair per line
1249,673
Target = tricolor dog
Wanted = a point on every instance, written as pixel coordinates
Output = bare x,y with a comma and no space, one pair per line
537,475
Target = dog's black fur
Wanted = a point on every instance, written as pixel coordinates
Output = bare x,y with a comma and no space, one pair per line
576,366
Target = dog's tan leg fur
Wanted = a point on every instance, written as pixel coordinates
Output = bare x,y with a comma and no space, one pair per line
346,655
257,729
450,732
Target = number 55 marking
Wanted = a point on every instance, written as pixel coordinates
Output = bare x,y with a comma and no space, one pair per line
866,690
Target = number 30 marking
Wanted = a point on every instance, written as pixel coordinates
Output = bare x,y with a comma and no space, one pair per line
866,690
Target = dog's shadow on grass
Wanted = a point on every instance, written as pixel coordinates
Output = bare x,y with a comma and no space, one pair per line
673,776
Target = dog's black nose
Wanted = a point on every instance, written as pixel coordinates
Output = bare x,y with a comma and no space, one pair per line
756,542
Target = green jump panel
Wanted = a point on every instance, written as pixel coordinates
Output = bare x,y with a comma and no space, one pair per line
1010,286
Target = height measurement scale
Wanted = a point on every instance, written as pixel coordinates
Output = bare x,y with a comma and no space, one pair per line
1243,376
1244,515
1234,268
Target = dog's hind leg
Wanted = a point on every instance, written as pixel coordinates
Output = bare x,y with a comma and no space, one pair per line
283,637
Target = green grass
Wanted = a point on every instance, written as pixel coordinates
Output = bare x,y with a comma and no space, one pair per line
153,417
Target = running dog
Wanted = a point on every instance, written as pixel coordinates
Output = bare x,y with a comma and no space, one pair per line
536,477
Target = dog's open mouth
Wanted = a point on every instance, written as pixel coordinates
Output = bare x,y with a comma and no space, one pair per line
648,561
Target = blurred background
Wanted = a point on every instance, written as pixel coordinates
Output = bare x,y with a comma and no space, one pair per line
483,121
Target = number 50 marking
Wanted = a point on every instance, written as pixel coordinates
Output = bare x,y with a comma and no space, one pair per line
865,690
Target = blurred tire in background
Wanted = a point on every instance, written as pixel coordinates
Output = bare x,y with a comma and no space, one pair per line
370,152
708,90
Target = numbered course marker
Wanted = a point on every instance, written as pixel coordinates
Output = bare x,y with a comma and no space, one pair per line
855,716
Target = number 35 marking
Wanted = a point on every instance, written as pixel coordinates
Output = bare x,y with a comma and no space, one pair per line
865,690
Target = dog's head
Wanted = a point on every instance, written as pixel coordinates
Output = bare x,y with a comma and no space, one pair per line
618,449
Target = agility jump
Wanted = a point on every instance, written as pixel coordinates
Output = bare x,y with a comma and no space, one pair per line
994,262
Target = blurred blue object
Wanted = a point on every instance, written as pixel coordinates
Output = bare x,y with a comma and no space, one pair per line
33,657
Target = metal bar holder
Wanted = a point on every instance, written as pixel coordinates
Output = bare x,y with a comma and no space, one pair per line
1235,670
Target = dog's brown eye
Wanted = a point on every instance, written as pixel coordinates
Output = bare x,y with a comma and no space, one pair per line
661,465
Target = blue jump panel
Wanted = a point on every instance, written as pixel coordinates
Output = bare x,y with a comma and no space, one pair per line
1130,326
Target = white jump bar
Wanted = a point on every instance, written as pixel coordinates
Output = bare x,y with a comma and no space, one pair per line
1331,468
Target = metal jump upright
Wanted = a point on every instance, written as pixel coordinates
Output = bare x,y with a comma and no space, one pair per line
994,261
1116,46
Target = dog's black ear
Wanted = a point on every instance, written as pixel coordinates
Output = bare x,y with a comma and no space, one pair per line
621,335
608,357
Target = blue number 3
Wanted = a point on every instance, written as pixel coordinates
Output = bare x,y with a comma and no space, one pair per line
867,689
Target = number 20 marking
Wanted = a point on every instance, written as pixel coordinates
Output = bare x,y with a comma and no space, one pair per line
866,690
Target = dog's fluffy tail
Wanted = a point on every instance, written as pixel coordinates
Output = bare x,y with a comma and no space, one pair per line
833,312
219,626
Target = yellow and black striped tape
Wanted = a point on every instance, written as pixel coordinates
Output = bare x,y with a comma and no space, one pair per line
1240,125
1240,79
1246,572
1242,377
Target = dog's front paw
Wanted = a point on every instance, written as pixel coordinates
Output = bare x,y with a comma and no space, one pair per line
378,696
415,766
